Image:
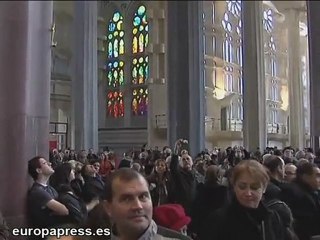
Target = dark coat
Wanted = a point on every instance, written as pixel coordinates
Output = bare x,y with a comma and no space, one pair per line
183,185
273,190
77,209
210,197
235,222
305,207
92,188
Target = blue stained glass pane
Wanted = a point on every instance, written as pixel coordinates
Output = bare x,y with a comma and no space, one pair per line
110,65
112,27
147,28
115,64
136,21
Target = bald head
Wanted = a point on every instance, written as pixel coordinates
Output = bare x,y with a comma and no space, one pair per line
290,172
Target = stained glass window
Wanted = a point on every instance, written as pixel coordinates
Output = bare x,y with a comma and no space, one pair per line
115,36
140,65
140,70
115,66
140,30
139,102
115,73
115,104
234,7
268,20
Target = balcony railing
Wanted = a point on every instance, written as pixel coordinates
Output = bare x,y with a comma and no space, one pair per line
215,124
277,128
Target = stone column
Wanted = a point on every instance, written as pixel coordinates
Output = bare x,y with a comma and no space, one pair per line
185,74
254,100
313,9
296,119
25,63
85,76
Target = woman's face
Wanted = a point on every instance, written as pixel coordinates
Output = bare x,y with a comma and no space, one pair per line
248,190
161,167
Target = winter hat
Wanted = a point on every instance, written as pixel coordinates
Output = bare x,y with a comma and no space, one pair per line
171,216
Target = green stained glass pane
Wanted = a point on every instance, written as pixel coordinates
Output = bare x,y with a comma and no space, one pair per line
141,10
146,40
115,48
109,78
141,28
110,36
115,64
134,61
115,33
121,81
134,72
115,75
116,16
147,28
146,72
121,34
146,59
110,49
141,75
141,60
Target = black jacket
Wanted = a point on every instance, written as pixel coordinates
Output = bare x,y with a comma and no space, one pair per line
305,207
235,222
210,197
182,185
273,190
77,209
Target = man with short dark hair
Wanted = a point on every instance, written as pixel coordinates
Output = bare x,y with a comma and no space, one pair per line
275,166
129,206
301,196
41,204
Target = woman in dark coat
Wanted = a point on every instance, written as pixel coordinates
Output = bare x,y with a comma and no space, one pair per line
245,217
60,180
158,182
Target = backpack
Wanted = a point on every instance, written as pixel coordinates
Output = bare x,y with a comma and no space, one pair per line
284,213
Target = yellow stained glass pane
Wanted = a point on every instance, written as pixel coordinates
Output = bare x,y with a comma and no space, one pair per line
135,45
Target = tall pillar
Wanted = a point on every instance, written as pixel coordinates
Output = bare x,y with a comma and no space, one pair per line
313,9
254,100
296,119
85,76
185,74
25,62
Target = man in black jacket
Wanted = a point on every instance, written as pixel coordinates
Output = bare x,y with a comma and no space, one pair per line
184,181
301,196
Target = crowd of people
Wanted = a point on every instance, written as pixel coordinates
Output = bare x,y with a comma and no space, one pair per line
167,194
